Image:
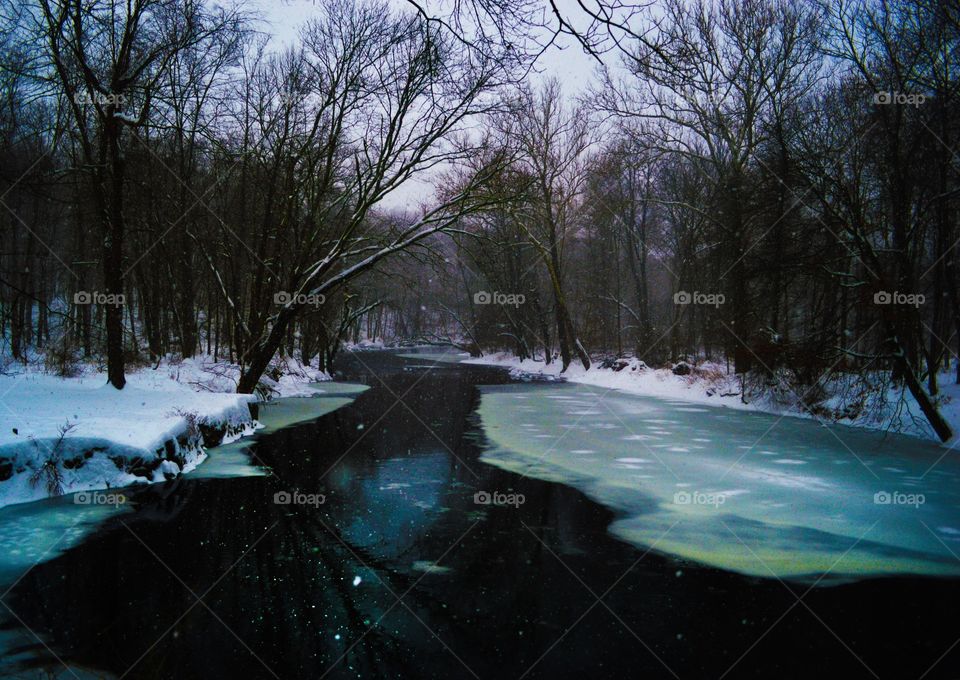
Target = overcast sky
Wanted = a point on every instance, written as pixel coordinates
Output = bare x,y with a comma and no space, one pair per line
570,64
566,61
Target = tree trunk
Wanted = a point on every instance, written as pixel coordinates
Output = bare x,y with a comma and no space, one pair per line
929,408
113,255
264,351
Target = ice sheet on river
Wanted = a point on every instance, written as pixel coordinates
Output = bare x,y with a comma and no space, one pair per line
234,460
33,532
747,492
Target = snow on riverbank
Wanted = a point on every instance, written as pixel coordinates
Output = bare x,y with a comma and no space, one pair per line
61,435
888,408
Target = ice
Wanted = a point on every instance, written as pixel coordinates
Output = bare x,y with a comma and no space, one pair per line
233,460
845,502
430,567
31,533
35,532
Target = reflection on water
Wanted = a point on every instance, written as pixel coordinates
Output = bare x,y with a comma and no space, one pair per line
235,459
32,533
742,491
401,574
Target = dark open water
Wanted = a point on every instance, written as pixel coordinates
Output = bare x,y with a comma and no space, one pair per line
346,590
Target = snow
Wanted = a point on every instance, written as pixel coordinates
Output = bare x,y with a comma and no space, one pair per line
891,408
848,501
39,531
363,345
206,375
143,415
89,435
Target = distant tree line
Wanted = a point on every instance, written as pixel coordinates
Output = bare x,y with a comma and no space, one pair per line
769,184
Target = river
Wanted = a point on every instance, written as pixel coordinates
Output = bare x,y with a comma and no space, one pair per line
387,561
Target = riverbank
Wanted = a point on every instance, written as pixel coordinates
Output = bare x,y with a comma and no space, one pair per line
845,402
401,512
63,435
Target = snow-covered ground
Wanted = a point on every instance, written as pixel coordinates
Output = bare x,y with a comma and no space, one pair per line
35,531
31,533
63,435
847,403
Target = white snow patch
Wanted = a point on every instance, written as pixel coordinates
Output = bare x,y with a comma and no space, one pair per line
62,435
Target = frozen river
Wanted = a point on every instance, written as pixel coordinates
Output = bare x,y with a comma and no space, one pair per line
474,526
749,492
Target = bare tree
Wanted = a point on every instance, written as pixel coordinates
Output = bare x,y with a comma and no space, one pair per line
553,144
383,96
708,87
109,56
